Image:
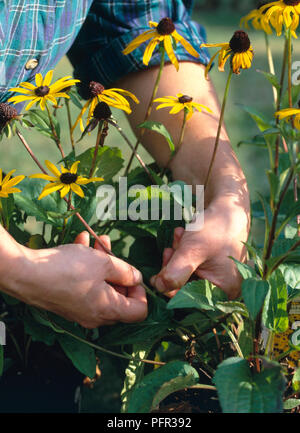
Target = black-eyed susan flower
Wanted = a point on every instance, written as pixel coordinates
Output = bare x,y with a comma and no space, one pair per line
64,180
8,113
282,13
42,91
181,102
238,50
288,113
8,183
112,97
163,32
258,21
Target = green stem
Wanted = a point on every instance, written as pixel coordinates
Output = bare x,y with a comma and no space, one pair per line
102,133
55,137
70,124
2,215
179,143
114,123
219,128
234,340
149,109
290,69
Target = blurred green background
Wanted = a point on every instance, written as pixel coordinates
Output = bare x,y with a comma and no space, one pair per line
221,19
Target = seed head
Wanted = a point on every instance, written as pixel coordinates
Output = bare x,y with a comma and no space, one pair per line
165,27
102,111
95,88
240,42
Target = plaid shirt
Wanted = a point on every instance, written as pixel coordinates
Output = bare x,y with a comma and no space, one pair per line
36,34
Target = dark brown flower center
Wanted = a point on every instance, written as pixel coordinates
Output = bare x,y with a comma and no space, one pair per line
102,111
68,178
7,113
95,88
291,2
42,91
165,27
184,99
240,42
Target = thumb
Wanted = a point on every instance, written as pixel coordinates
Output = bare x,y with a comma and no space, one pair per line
183,263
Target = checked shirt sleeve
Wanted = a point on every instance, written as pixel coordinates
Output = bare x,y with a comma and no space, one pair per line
97,55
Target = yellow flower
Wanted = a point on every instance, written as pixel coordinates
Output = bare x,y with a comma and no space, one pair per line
162,32
42,91
181,102
283,12
113,97
7,183
64,181
287,113
258,21
239,50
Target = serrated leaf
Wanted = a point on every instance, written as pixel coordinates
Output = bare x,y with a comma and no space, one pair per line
254,292
296,380
242,390
143,394
291,403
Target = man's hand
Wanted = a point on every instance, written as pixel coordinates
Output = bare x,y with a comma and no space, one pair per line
80,283
206,253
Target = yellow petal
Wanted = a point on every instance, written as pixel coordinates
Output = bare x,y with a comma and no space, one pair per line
136,42
74,167
43,176
39,80
31,103
65,190
52,168
20,90
149,51
76,188
14,181
48,78
49,189
185,44
170,52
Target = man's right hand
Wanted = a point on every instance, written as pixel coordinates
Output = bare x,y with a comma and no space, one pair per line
82,284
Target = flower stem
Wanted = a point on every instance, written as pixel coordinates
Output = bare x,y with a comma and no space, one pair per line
25,144
111,122
149,109
219,128
55,136
101,135
290,69
278,103
70,124
179,143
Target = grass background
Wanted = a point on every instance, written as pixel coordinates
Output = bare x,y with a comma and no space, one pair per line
249,88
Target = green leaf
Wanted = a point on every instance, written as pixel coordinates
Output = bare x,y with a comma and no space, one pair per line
39,332
246,336
134,371
262,122
245,270
291,403
156,326
242,390
147,391
196,294
108,163
271,78
82,356
173,385
160,129
275,315
296,380
254,292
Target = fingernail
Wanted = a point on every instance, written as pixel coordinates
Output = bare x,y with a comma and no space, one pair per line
160,285
137,276
152,280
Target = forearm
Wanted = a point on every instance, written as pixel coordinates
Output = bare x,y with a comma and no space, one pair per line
193,158
12,265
